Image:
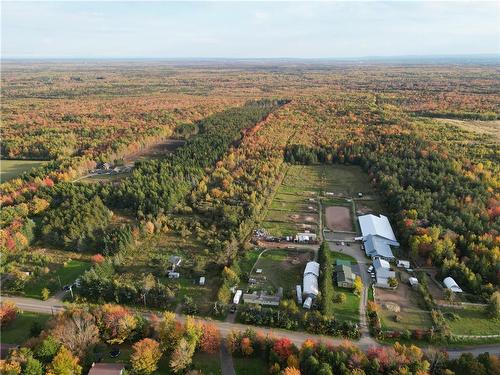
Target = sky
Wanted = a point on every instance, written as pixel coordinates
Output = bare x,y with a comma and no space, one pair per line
247,29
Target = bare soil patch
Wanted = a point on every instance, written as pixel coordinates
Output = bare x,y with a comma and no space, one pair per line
338,218
156,150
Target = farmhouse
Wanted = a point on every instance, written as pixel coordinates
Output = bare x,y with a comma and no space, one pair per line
378,236
383,272
345,276
311,274
262,299
106,369
452,285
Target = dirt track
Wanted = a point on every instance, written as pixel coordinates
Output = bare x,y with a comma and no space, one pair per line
338,218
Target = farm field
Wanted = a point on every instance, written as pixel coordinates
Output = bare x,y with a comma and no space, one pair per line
471,321
10,169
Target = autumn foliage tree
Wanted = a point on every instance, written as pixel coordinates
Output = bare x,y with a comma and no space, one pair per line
116,323
8,313
145,356
210,339
64,363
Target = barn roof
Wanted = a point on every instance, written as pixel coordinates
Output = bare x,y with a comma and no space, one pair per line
311,284
312,267
377,246
376,225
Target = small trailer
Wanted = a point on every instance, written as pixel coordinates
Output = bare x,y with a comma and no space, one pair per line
237,297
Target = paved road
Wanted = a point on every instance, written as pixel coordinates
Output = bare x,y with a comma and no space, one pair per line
366,342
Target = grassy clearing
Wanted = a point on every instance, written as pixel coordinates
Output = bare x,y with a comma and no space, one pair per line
63,275
281,268
409,320
208,364
152,257
10,169
471,321
105,178
249,366
19,330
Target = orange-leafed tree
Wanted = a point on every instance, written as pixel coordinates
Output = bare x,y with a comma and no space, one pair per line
210,339
8,313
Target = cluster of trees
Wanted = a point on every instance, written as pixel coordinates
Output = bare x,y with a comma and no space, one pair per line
77,223
287,318
104,283
326,279
285,358
77,337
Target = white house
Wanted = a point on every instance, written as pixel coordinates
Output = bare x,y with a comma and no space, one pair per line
383,272
452,285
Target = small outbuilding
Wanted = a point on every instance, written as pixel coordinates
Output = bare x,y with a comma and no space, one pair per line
413,281
202,280
237,296
298,290
452,285
403,264
307,303
305,237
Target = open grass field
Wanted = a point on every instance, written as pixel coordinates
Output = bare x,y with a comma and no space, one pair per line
281,268
471,321
19,330
491,128
63,275
10,169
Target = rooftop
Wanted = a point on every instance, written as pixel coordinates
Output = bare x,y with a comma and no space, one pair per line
376,225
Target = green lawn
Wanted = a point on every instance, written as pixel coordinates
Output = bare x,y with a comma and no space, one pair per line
10,169
249,366
349,310
19,330
409,320
209,364
472,321
66,275
337,255
283,268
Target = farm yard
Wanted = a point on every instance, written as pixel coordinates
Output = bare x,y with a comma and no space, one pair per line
280,268
10,169
402,309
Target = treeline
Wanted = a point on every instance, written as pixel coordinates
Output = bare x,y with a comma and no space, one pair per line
480,116
440,211
157,186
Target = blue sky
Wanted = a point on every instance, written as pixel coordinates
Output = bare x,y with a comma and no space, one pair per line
248,29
